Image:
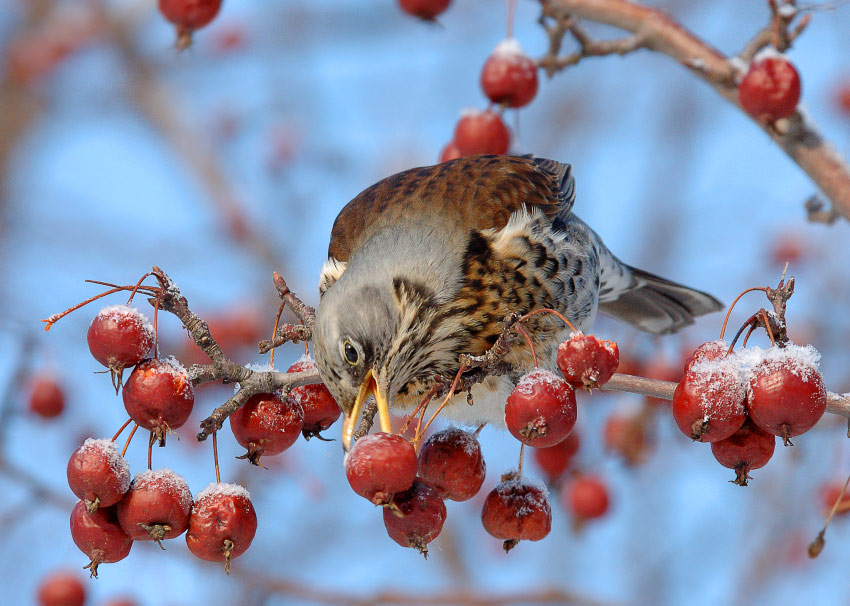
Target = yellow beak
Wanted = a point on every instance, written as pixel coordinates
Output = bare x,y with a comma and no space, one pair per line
369,387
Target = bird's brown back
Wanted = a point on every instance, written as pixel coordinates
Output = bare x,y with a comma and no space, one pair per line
477,193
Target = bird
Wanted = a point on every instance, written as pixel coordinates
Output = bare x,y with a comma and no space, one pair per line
426,264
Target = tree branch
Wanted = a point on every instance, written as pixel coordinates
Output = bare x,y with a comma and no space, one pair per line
797,135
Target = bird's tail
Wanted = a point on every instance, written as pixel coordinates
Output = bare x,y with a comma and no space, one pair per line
658,306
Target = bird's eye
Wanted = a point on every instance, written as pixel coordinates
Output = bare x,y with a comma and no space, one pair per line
350,352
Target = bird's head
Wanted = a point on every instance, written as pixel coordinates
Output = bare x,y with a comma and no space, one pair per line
370,338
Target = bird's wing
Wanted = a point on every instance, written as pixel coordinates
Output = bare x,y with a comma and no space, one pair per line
477,192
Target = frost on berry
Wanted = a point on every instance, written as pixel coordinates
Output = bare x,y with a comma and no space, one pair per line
426,10
748,448
415,517
266,425
98,474
47,398
188,15
771,89
159,396
320,409
61,588
452,463
481,132
222,525
99,536
786,395
119,337
587,362
516,510
156,507
541,410
509,76
708,404
587,497
708,351
554,461
381,465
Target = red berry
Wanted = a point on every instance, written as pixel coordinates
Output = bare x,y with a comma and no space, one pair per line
424,9
320,409
708,404
587,497
266,425
119,337
188,15
381,465
509,76
708,351
553,461
99,536
625,435
415,517
770,90
451,462
787,395
481,132
748,448
159,396
587,362
61,589
47,399
122,602
98,474
222,525
517,510
156,507
541,410
450,152
829,493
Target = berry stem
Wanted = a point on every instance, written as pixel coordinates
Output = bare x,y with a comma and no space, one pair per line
56,317
274,331
419,407
443,404
130,437
123,427
525,334
156,326
521,459
767,326
136,288
151,440
511,14
215,457
816,545
551,311
731,307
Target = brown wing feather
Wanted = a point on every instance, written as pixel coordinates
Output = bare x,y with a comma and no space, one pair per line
480,192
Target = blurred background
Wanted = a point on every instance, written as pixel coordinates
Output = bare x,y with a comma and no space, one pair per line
230,160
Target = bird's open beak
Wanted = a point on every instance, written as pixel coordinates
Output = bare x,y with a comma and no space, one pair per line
369,387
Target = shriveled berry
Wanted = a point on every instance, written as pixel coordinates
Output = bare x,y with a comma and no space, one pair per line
481,132
452,463
509,76
159,396
517,510
188,15
586,361
708,351
770,90
266,425
222,525
119,337
541,410
156,507
380,465
787,396
99,535
708,404
424,9
748,448
587,497
553,461
61,588
415,517
98,474
320,409
47,398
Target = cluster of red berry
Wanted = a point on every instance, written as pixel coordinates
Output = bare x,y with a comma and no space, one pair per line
540,412
739,401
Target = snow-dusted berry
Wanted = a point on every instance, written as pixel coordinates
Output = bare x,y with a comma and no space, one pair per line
222,524
416,516
452,463
119,337
156,507
159,396
586,361
320,409
98,474
541,410
708,404
517,510
267,425
710,350
509,76
380,465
